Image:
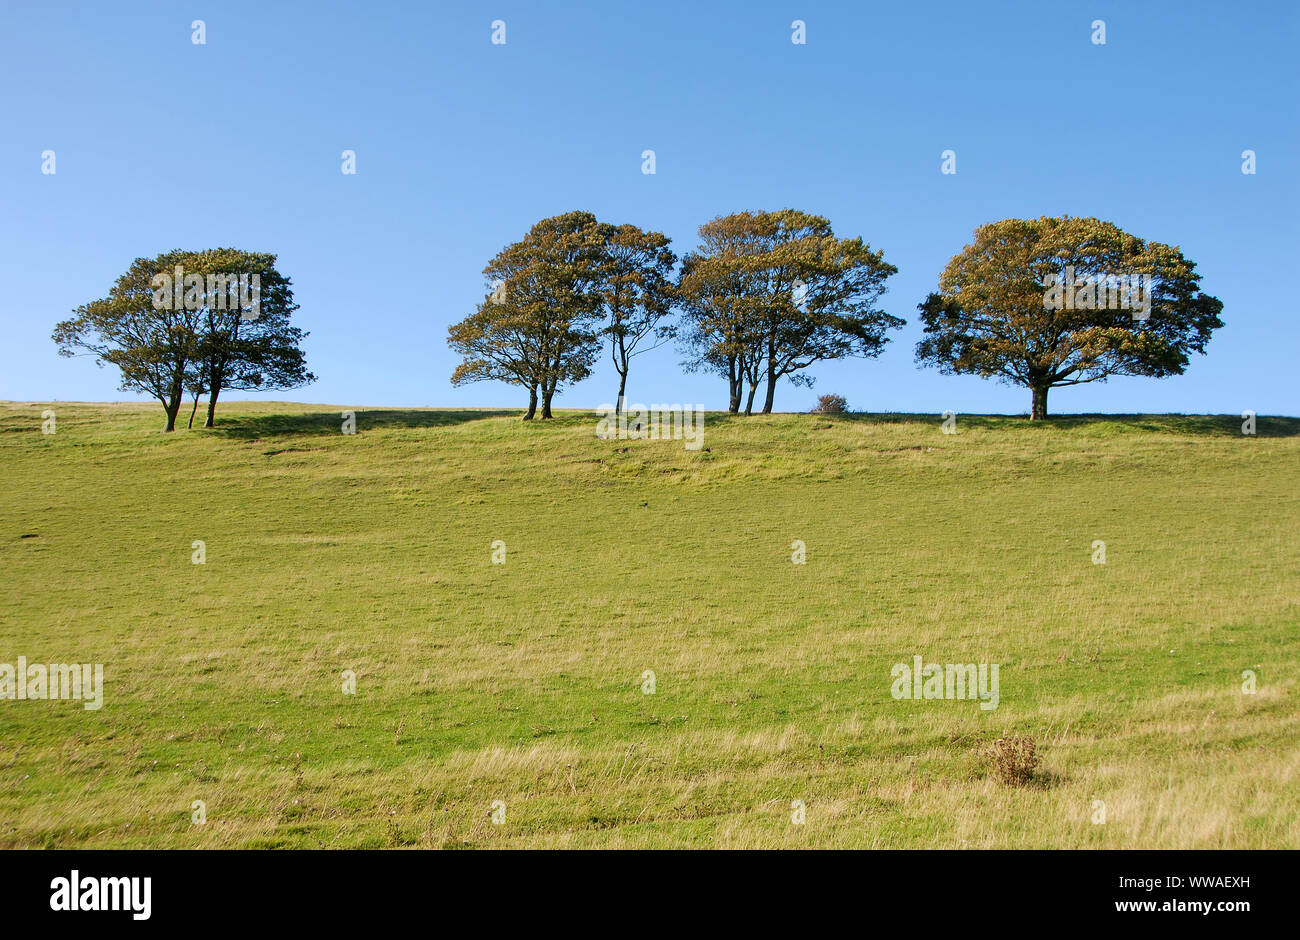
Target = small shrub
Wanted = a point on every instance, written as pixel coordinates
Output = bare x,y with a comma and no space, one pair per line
1013,760
831,405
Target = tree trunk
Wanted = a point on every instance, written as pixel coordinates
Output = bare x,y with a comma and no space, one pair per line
547,394
532,403
216,376
175,398
771,392
736,383
173,408
212,406
622,388
194,410
771,378
1039,409
749,402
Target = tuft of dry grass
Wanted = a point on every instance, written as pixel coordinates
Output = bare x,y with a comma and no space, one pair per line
1014,759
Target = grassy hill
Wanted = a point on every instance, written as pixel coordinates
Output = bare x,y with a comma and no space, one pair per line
523,682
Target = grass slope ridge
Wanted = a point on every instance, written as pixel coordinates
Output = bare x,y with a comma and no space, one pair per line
522,682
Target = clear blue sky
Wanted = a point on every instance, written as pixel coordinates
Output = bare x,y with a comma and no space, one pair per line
461,145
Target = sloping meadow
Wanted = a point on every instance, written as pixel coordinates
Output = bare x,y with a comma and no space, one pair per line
457,629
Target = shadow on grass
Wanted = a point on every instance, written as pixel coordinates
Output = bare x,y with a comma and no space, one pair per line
1192,425
256,427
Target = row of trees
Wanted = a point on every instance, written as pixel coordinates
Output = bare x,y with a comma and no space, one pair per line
196,336
765,295
762,297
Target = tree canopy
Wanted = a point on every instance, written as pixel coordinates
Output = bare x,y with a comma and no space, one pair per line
197,320
538,327
768,294
637,288
1051,302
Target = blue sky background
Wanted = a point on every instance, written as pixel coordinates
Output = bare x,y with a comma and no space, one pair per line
461,145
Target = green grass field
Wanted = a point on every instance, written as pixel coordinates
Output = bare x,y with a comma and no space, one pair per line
522,682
